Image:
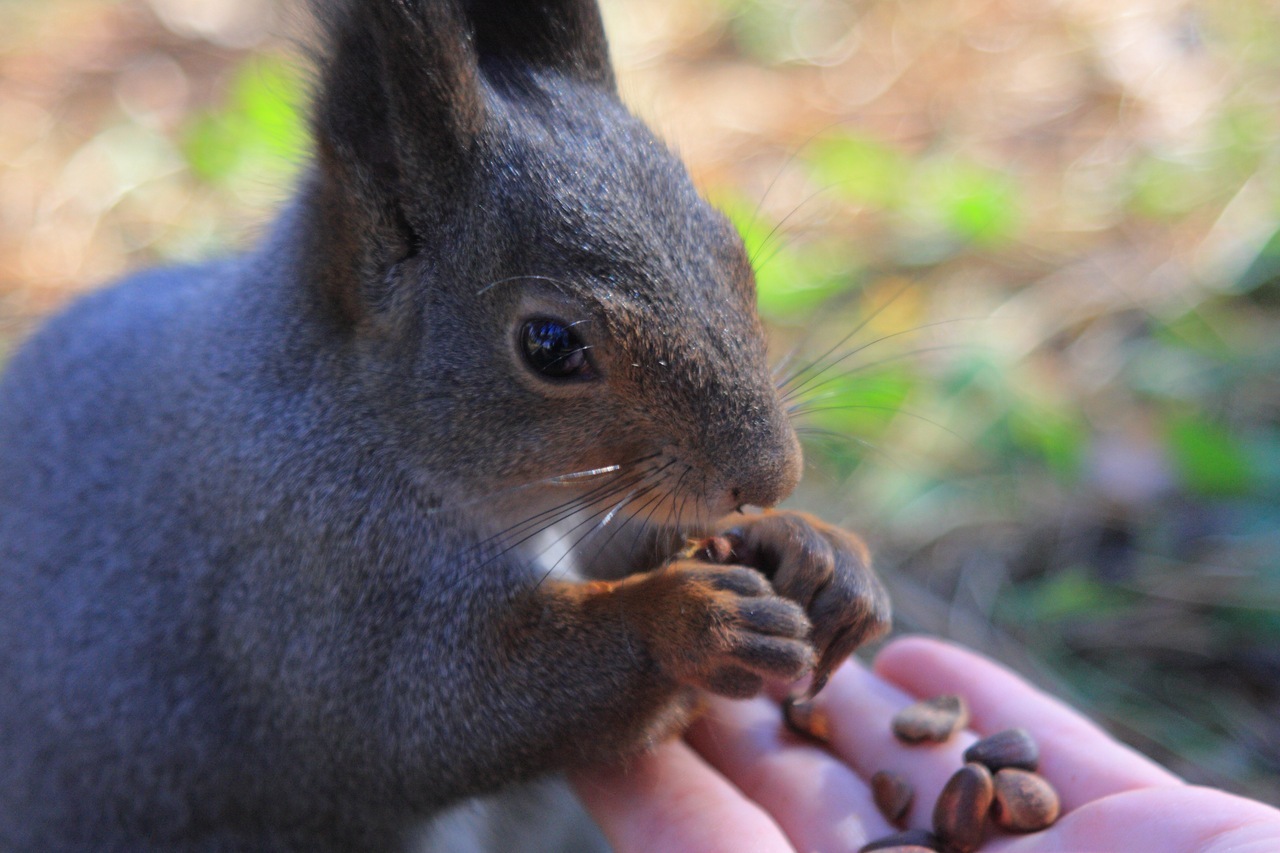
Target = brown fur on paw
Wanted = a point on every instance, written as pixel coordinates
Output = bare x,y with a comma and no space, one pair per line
720,628
823,568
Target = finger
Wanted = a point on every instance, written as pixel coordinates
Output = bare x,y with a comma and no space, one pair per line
819,802
671,800
1183,819
860,706
1082,761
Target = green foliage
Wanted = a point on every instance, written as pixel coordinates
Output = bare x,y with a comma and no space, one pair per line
1059,439
1167,189
791,282
1264,272
1209,460
1071,594
973,203
858,401
760,28
258,135
942,192
862,169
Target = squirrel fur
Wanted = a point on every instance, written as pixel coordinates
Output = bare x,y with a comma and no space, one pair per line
270,527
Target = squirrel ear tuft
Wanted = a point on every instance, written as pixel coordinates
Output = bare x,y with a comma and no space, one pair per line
398,109
400,100
565,35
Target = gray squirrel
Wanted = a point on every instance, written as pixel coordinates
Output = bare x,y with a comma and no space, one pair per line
300,548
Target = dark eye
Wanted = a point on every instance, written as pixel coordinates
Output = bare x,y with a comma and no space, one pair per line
554,349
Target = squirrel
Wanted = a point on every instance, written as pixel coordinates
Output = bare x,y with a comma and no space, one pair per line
302,547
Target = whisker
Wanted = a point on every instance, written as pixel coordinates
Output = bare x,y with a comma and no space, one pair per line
608,513
612,513
880,362
784,363
566,509
791,158
792,392
572,478
808,411
644,528
630,518
764,244
569,511
530,535
569,532
679,515
563,479
783,243
843,438
858,328
549,279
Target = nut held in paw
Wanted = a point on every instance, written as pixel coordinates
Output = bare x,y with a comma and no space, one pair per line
804,718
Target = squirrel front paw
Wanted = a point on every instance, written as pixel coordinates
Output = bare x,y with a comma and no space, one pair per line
825,569
718,627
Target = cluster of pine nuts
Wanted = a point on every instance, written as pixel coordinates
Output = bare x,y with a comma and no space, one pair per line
998,780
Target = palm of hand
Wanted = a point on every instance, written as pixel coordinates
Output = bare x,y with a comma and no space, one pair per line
740,782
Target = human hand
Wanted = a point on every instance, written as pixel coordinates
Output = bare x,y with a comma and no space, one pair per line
740,782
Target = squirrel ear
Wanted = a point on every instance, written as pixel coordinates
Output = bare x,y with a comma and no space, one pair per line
398,107
566,35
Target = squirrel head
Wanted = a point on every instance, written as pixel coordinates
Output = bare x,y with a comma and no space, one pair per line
525,277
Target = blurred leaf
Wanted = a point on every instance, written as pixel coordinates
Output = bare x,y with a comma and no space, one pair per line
1069,594
973,203
1199,331
1264,271
760,28
260,131
1166,190
1251,624
861,169
1208,459
1244,133
791,283
1057,438
848,399
1168,368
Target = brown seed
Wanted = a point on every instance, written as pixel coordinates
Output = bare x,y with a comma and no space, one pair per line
934,719
893,795
807,720
1009,748
911,841
961,810
1024,801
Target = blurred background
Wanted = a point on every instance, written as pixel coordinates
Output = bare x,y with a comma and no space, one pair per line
1020,259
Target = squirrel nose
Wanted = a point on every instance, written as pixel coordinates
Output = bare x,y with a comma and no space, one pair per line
769,476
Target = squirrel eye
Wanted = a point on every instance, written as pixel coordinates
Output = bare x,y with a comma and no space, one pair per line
554,349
